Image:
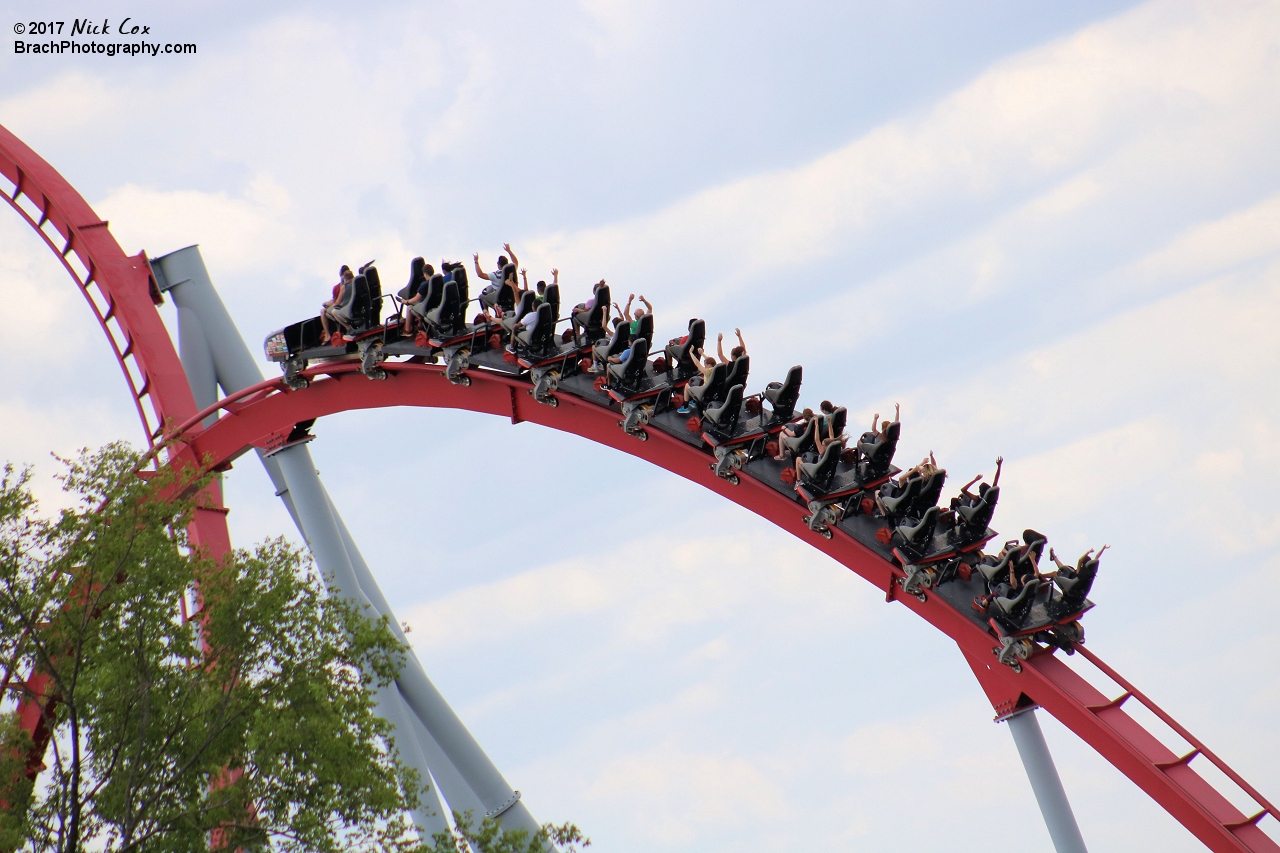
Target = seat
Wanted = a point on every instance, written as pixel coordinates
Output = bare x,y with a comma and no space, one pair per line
360,303
821,473
680,356
552,298
918,535
614,346
738,371
417,276
435,292
1075,588
839,417
930,492
800,444
645,329
374,316
898,505
973,520
591,322
538,339
724,417
629,372
506,296
990,571
706,394
444,317
460,279
877,456
1012,609
511,318
783,396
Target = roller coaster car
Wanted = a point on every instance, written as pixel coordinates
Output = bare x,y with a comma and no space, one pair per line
539,352
360,311
680,364
1038,612
448,330
738,431
589,325
824,481
632,378
933,538
723,377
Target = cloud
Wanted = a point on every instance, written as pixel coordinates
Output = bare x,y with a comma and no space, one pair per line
688,794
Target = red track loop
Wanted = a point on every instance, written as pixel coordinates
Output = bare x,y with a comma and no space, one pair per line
264,415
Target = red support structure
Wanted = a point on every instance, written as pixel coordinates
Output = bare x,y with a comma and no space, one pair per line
263,415
123,297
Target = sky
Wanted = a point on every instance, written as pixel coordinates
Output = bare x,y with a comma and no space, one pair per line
1049,231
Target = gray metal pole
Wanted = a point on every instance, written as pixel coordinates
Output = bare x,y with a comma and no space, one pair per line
1048,789
421,696
326,545
456,790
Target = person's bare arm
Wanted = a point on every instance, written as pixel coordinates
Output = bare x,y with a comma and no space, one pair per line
741,342
874,421
479,271
626,312
646,304
524,275
511,254
897,412
555,276
995,481
720,347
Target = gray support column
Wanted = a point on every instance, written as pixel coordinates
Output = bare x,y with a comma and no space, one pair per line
321,532
1048,789
421,696
456,791
236,368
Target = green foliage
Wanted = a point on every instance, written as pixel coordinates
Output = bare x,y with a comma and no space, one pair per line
490,837
249,724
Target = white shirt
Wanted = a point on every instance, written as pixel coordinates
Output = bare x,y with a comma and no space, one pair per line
529,321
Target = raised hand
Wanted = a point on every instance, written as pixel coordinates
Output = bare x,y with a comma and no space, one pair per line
477,257
507,248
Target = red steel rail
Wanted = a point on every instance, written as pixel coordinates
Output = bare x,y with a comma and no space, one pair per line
265,414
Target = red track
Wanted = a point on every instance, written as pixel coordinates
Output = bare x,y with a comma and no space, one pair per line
123,297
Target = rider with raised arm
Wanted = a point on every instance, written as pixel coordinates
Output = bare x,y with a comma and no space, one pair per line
498,279
635,320
735,353
968,498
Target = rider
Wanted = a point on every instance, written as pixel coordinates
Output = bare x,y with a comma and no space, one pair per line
328,311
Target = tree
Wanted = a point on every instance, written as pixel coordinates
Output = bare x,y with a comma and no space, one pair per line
249,723
191,703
